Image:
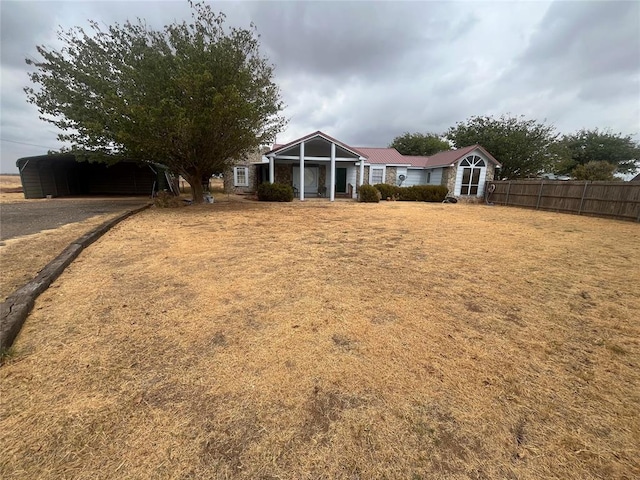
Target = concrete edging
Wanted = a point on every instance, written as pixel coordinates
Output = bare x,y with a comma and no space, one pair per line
15,309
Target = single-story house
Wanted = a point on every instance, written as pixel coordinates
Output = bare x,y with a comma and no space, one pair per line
62,175
318,165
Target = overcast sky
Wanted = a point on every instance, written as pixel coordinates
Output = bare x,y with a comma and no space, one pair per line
366,72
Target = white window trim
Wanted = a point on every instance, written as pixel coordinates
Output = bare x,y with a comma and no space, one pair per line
377,167
236,183
460,174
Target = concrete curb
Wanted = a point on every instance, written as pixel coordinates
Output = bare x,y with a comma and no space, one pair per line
14,310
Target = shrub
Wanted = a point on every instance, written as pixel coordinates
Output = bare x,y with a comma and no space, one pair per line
166,199
422,193
387,191
275,192
369,194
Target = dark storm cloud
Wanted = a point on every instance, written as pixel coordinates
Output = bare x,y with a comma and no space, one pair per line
366,72
338,39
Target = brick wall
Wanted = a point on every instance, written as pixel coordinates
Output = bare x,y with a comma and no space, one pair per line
253,157
391,176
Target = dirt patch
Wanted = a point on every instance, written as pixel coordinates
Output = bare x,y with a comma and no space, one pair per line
317,340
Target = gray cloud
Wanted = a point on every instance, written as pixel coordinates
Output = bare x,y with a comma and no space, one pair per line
591,47
366,72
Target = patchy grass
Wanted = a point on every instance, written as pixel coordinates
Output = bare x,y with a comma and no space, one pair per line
346,340
23,257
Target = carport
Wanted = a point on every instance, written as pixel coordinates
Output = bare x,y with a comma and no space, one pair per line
62,175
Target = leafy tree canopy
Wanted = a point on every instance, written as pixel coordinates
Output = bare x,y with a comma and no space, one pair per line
588,146
419,144
595,170
193,96
525,148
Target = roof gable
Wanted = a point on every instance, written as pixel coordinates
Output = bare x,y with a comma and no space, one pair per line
311,136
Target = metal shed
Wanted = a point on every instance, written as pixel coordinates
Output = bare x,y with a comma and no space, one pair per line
62,175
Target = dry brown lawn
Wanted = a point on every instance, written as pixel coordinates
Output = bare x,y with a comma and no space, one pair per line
317,340
22,258
10,189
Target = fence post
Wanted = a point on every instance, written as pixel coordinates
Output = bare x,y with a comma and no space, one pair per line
584,193
506,202
539,194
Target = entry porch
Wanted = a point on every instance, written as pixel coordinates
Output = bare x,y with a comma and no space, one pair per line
315,166
317,178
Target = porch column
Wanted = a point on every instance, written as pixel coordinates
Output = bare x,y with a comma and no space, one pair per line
301,171
361,175
272,175
332,185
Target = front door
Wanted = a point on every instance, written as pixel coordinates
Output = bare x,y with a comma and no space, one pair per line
341,180
311,175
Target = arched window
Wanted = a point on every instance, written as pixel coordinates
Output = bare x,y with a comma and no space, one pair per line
472,166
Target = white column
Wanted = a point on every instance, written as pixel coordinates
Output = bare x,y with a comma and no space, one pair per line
272,174
332,185
361,175
301,171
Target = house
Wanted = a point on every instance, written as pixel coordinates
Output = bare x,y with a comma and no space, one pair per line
318,165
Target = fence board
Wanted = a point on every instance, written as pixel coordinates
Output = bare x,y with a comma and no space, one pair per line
604,199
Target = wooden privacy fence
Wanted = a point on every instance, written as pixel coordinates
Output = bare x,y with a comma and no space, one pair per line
605,199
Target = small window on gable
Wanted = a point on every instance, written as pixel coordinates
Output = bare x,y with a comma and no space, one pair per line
240,176
472,161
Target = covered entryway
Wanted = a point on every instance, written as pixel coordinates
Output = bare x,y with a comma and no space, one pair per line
319,166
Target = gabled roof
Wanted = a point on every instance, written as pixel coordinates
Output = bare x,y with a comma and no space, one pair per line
277,148
390,156
448,157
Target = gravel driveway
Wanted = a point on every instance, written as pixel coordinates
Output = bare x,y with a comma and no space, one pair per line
32,216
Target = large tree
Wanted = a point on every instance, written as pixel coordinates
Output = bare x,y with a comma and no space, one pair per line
419,144
587,146
525,148
595,171
193,96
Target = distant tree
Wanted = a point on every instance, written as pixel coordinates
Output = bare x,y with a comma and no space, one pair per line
525,148
419,144
588,146
594,171
192,96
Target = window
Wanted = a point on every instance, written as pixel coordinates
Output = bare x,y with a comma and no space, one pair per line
377,175
428,177
471,168
240,176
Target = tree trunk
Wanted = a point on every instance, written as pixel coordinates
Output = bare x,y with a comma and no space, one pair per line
197,192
